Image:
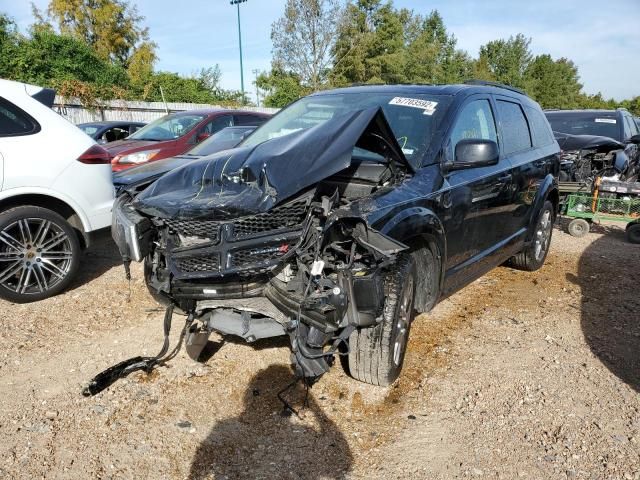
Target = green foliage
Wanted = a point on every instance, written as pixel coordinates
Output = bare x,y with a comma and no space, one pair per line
553,83
281,87
303,38
507,60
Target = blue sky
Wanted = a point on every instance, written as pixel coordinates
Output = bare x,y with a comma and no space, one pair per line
604,43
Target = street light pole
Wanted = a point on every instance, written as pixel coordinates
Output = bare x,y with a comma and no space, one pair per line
237,4
255,73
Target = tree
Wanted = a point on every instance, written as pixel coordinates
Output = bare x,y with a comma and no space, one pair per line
303,39
281,87
432,55
553,83
8,45
111,27
370,45
507,60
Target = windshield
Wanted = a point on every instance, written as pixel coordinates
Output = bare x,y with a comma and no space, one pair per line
222,140
412,117
168,127
585,123
88,129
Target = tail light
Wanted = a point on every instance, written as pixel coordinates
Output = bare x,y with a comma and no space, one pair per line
95,155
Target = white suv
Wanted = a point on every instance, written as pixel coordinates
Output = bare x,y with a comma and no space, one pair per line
55,188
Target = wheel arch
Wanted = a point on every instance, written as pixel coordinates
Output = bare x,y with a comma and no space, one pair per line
52,203
420,229
548,190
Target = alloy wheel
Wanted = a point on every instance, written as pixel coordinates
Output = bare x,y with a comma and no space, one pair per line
403,321
543,234
35,255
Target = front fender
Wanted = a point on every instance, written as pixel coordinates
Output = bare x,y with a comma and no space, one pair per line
413,223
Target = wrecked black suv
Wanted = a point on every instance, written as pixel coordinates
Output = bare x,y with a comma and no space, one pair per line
344,215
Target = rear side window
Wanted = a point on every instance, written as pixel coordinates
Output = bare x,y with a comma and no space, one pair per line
254,120
15,122
540,129
515,130
631,126
475,121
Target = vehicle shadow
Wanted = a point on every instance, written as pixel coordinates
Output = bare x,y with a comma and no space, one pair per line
101,256
261,442
610,304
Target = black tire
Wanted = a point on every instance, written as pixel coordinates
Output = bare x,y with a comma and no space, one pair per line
578,227
533,256
633,233
39,254
376,354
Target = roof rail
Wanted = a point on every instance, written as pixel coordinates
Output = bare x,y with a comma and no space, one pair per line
623,109
486,83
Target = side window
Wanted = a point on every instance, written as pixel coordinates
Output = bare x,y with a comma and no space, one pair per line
14,122
248,120
217,124
115,133
134,128
474,121
515,130
630,126
540,129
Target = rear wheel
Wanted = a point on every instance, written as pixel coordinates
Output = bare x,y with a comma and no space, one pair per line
578,227
534,255
39,254
633,233
376,354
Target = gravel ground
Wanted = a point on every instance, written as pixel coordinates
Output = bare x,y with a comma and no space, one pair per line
520,375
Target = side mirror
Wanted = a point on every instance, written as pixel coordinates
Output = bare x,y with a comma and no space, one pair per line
635,139
202,136
474,152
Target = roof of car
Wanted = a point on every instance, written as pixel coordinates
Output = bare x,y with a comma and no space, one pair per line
595,111
480,87
211,111
107,123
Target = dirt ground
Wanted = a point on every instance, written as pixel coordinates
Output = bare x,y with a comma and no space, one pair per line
520,375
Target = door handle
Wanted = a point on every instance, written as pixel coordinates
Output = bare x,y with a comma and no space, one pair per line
505,178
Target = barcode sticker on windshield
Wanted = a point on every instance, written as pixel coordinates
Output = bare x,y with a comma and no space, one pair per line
427,105
605,120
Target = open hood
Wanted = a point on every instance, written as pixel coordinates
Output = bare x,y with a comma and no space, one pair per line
569,142
249,180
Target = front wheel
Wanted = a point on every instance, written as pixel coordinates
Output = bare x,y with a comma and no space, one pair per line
534,255
39,254
376,354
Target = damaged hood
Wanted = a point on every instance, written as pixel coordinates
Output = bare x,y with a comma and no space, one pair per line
249,180
569,142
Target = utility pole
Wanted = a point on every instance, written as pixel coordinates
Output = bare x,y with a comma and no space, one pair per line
255,72
237,4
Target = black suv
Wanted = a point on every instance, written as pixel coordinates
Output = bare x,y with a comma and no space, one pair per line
595,143
344,215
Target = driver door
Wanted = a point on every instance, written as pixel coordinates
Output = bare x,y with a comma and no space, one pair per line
478,200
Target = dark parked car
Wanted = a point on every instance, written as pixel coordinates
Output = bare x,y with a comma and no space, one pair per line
595,143
343,216
223,140
105,132
175,134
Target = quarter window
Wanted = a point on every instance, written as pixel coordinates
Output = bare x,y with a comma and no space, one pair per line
14,122
474,121
515,130
540,129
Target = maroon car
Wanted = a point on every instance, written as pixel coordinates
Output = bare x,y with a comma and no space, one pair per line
174,134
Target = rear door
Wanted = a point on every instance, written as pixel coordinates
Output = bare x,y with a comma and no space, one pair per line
479,200
530,164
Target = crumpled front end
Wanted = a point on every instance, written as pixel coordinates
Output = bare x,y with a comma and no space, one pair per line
274,240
